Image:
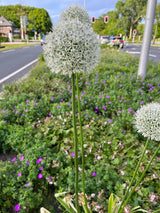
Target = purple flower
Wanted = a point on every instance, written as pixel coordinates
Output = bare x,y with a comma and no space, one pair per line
41,168
17,208
133,112
27,162
85,102
109,120
14,159
104,108
40,176
83,93
5,121
72,154
52,99
27,101
109,102
124,132
150,97
120,111
21,158
50,178
120,85
70,91
130,110
22,114
96,82
104,82
19,174
86,115
26,110
69,104
107,96
58,106
39,160
95,111
17,112
61,100
93,173
49,114
141,93
27,184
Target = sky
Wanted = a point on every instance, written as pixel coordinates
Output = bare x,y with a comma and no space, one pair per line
55,7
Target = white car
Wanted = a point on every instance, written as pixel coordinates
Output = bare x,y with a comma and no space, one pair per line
104,39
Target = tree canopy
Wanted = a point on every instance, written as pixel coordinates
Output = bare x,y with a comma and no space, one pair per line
127,16
38,18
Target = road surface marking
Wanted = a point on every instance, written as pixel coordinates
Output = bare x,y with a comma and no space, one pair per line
17,71
140,53
133,48
153,55
8,51
133,52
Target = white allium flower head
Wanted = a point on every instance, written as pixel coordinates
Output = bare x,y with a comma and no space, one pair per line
147,121
75,11
71,47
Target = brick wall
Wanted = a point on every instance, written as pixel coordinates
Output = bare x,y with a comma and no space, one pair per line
5,30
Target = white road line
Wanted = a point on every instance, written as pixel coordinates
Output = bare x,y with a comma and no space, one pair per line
153,55
140,53
133,52
133,48
17,71
7,51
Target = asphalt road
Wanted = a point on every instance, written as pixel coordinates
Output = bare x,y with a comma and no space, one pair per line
16,63
135,49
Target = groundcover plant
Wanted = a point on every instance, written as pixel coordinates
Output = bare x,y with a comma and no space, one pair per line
36,132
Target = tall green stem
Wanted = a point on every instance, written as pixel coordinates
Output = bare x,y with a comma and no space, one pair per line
82,144
126,194
140,179
75,140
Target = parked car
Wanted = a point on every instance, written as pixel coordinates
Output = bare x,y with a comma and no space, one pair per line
104,39
43,40
116,41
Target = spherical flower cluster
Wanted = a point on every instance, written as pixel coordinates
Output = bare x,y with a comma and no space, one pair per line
71,47
75,11
147,121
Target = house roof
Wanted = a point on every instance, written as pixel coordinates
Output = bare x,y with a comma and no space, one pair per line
6,23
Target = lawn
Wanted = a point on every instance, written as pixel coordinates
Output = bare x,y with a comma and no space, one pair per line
36,134
7,46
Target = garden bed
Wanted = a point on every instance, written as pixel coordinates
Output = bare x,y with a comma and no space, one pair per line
36,127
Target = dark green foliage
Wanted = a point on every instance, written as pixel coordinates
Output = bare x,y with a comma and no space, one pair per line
38,17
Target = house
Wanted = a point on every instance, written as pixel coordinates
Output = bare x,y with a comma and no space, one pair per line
7,27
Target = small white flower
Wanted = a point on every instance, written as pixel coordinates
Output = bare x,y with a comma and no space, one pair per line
71,47
75,11
147,121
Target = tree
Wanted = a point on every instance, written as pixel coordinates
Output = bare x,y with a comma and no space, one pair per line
157,20
38,17
131,12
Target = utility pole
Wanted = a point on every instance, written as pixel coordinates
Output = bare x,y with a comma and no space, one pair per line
147,36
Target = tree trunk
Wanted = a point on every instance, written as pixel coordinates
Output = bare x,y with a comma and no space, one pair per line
154,38
131,30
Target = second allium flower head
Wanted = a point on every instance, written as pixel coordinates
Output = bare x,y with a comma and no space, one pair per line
72,46
147,121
